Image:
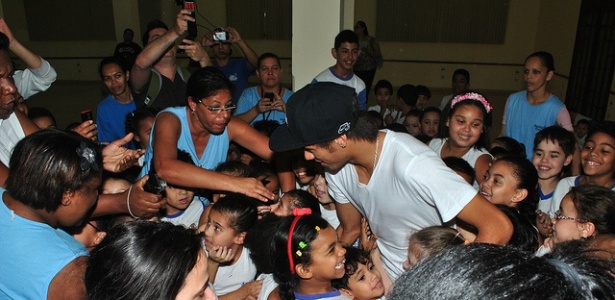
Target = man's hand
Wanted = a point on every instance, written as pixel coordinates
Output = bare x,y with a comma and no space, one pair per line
181,24
88,130
4,28
117,158
196,52
234,36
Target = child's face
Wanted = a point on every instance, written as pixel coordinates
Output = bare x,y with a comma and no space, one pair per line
565,229
598,155
465,126
413,125
283,207
421,102
581,130
366,282
272,184
303,171
460,83
115,186
219,232
382,96
321,187
178,199
549,159
88,235
327,256
500,184
145,127
346,55
429,125
44,122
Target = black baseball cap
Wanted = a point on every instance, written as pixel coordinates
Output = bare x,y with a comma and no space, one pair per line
317,113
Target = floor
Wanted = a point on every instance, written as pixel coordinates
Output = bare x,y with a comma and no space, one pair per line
66,99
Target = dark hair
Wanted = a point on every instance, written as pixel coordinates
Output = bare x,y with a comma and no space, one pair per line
396,127
559,135
364,26
121,267
353,257
110,60
605,127
524,235
436,239
151,26
583,121
364,128
345,36
525,173
235,168
407,93
595,204
241,210
383,84
303,199
460,165
266,126
483,140
545,57
40,112
304,232
428,110
4,42
462,72
265,56
258,240
423,90
133,119
376,118
511,145
47,164
206,82
485,271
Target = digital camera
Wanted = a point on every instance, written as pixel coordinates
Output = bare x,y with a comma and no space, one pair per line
220,35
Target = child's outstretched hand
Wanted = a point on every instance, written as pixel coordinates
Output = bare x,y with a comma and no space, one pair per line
544,223
367,240
221,255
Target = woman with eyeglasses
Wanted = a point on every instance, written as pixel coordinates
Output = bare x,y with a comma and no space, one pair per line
204,129
267,101
585,212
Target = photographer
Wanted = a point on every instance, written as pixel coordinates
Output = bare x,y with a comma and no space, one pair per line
237,70
267,101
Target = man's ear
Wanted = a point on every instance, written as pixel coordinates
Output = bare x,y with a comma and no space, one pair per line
303,271
67,197
519,195
550,75
100,235
334,52
127,75
341,141
240,238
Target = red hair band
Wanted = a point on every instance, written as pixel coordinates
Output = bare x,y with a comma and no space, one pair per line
298,213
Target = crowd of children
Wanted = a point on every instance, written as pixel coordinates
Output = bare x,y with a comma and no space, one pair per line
256,224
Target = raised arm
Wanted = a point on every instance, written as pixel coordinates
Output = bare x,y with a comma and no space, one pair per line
248,52
492,224
166,134
39,76
155,49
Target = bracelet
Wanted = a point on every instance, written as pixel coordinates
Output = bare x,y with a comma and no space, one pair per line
128,203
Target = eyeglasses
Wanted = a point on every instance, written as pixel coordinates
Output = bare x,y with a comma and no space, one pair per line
96,228
559,216
218,109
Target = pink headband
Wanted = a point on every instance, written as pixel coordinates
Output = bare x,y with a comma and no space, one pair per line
472,96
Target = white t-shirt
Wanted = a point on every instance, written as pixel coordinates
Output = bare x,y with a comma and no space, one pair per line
11,133
562,188
410,189
471,156
268,286
188,217
230,278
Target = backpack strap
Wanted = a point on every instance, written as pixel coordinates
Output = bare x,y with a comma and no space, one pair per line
155,84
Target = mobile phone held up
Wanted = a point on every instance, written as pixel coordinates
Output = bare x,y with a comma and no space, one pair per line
191,6
220,35
86,115
269,96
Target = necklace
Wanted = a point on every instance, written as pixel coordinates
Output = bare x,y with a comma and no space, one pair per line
376,153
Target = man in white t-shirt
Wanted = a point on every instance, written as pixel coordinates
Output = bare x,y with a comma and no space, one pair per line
394,180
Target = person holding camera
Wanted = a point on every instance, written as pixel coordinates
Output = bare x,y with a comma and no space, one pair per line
156,78
267,101
237,70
